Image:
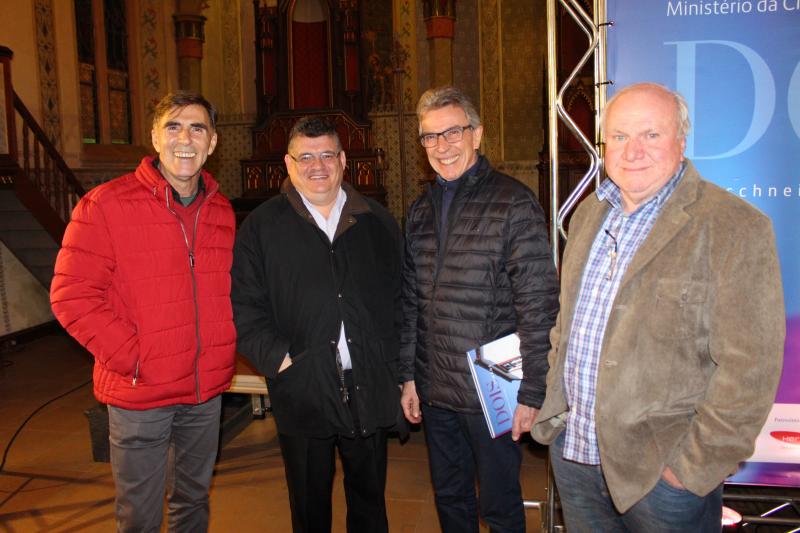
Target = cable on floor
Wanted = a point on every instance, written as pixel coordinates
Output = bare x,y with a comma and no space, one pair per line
24,422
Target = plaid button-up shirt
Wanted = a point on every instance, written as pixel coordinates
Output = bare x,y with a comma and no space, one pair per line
614,246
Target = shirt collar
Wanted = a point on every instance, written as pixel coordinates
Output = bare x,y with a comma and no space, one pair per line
201,189
609,191
336,209
201,186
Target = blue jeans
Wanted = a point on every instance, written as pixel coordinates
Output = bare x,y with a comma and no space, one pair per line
587,504
172,448
458,445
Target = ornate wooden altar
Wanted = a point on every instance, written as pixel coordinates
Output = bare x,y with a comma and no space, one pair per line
308,63
263,174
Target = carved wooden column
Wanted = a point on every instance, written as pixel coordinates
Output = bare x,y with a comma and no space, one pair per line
189,38
440,18
266,56
350,35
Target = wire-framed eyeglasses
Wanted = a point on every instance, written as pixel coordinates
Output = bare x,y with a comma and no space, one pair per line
451,135
327,158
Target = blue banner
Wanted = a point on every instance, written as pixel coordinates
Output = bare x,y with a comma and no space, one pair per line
737,63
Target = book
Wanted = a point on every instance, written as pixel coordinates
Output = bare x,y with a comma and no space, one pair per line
496,369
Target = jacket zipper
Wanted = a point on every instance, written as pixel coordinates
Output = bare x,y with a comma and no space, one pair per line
460,194
135,373
440,251
190,249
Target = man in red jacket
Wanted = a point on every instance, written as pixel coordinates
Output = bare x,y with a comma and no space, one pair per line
143,282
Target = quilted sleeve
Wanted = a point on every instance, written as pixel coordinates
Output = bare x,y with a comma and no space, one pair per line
79,292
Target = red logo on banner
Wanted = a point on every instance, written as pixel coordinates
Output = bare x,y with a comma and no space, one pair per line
789,437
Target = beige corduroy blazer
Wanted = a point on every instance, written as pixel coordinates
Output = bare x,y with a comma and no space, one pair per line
693,347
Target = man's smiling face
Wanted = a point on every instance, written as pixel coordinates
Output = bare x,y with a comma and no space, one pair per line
450,161
314,173
183,139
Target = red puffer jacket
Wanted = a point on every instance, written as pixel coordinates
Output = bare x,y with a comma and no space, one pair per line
156,316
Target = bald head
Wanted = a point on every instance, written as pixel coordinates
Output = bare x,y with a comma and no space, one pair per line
681,108
644,127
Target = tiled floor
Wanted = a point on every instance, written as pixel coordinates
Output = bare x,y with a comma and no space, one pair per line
51,484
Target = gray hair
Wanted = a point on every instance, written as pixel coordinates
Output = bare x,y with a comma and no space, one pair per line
681,107
440,97
181,99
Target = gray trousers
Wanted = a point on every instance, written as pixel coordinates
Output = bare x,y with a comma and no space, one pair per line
170,447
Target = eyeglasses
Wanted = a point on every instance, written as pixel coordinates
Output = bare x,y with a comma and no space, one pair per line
327,158
451,135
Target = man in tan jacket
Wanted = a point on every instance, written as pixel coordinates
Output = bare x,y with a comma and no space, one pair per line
668,348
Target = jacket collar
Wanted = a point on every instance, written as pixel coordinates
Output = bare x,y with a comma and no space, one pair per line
355,204
149,176
472,177
671,219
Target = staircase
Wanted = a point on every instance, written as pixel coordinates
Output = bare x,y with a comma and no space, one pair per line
37,189
26,238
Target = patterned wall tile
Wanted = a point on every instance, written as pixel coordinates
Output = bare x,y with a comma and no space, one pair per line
231,58
153,86
234,143
491,80
466,52
48,70
406,26
423,56
386,134
524,171
522,78
377,42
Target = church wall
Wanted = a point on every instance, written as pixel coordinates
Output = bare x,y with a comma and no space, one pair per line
229,82
386,132
499,49
18,32
24,302
523,37
66,58
466,51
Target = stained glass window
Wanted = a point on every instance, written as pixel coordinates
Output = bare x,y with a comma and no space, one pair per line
84,30
104,81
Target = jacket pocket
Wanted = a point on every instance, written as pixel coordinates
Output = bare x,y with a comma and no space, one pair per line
305,396
678,310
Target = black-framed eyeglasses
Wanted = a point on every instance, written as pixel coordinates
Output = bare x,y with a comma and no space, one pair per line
307,159
451,135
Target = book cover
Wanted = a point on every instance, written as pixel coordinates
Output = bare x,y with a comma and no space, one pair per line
496,369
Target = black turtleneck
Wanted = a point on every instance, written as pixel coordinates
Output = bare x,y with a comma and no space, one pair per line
447,192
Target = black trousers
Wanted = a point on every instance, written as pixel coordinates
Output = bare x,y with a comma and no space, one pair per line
310,465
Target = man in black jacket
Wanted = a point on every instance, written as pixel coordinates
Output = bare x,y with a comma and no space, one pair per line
477,266
316,285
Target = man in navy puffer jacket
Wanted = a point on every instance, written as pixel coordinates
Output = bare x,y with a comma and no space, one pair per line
477,266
